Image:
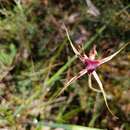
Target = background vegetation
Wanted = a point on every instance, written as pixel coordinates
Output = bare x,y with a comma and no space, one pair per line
36,61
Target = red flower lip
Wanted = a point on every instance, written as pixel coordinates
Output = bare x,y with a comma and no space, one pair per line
91,65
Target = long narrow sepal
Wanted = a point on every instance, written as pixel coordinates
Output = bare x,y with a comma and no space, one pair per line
103,92
113,55
90,84
74,49
81,73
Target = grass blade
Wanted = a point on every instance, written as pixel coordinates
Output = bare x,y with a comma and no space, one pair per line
67,126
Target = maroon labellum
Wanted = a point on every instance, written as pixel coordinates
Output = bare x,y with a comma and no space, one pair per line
91,65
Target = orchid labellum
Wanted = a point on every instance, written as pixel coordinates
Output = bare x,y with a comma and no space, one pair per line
91,64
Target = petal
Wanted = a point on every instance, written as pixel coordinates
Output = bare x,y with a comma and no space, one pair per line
103,92
113,55
81,73
74,49
90,84
93,53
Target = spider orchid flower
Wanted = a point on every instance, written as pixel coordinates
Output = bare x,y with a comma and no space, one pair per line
91,64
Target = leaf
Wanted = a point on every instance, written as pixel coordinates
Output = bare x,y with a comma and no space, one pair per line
67,126
7,58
